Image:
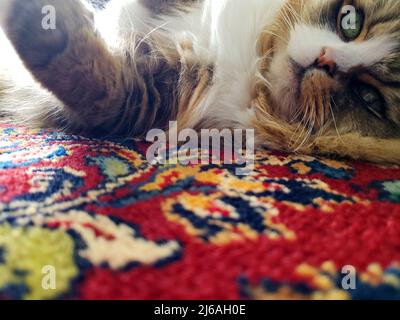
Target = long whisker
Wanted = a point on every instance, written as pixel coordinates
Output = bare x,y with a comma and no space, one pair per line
303,123
334,120
310,124
275,35
148,35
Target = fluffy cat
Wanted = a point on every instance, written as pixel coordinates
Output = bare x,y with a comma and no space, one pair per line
288,68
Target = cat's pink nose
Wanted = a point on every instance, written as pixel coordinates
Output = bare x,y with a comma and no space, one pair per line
326,61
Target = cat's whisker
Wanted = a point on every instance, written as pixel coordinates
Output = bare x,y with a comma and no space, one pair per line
302,124
295,136
148,35
320,110
295,117
259,75
297,114
294,15
334,120
322,117
269,32
286,19
309,125
303,106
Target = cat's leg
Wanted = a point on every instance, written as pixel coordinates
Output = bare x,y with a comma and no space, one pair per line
58,43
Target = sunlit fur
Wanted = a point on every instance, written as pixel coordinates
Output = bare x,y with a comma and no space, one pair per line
212,64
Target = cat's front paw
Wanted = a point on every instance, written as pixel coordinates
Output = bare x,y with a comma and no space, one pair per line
41,29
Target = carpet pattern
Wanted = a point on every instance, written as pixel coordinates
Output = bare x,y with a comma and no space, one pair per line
90,219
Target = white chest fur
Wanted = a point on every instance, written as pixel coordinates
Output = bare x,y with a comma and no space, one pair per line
236,26
224,34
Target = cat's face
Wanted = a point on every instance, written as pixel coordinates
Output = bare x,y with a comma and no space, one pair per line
338,69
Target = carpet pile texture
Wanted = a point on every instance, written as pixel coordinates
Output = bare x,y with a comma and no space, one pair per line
90,219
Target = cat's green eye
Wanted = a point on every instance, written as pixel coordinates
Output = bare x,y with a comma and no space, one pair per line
351,24
371,100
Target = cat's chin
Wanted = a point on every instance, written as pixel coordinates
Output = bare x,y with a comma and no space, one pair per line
300,93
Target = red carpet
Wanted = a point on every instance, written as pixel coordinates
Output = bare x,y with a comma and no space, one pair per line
89,219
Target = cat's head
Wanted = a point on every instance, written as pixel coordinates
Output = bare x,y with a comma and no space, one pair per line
334,70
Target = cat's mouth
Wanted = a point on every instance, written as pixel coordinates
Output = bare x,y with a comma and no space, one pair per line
313,89
303,75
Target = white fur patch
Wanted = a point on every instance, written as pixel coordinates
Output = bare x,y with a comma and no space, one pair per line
236,25
306,43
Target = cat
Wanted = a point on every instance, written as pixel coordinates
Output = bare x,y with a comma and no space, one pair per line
291,69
